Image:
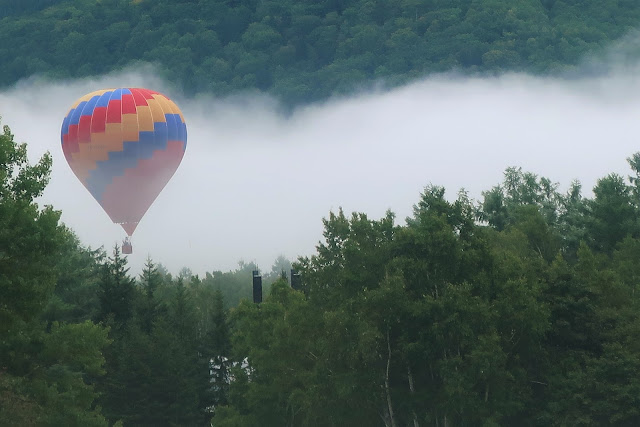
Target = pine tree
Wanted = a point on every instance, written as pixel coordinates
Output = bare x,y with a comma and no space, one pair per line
116,292
150,280
218,348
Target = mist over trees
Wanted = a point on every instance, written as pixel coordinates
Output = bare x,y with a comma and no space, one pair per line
519,309
303,51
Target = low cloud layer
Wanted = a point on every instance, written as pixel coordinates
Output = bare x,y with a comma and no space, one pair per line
255,184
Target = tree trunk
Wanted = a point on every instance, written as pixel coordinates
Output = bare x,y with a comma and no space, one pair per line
386,383
412,390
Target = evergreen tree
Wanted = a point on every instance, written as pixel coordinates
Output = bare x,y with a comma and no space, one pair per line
116,292
75,298
217,344
150,280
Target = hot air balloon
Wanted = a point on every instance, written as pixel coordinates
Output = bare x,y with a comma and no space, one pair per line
124,145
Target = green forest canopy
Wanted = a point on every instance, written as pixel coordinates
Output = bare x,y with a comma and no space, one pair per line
521,309
301,51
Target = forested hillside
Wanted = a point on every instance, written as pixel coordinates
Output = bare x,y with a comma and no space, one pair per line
302,51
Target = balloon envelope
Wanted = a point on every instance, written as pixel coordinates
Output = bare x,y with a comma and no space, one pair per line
124,145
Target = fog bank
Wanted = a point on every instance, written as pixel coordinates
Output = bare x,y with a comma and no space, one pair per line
255,184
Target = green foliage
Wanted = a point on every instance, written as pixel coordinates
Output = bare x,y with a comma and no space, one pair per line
75,298
116,292
149,303
236,285
302,51
613,212
166,334
518,311
29,237
522,309
47,367
71,353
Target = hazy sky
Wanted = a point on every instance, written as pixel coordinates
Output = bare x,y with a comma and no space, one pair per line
255,184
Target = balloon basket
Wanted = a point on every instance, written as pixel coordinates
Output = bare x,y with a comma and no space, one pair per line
127,248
